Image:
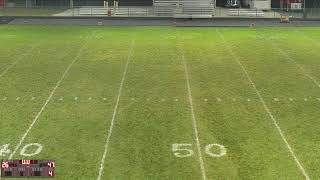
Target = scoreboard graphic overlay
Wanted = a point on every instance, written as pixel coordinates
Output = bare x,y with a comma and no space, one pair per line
27,168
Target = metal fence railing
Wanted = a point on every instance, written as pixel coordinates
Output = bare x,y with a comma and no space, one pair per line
153,11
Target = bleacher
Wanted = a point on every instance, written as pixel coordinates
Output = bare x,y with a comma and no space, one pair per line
120,11
246,12
161,8
184,8
132,11
91,11
164,10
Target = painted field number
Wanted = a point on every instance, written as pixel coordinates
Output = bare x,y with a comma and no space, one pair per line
28,150
185,150
182,150
4,149
221,150
24,150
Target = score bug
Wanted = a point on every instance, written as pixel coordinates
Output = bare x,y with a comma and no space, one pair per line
27,168
4,165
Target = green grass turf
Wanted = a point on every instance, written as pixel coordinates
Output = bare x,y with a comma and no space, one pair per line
154,110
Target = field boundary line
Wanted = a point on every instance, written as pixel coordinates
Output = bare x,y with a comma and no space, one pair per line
115,110
48,99
193,116
302,169
18,59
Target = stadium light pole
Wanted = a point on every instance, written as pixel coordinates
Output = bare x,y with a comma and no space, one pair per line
304,9
71,4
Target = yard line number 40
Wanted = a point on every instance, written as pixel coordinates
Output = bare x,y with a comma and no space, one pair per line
185,150
28,150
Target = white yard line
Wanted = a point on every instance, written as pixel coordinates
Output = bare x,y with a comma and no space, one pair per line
106,146
18,59
125,107
297,64
47,101
194,120
302,169
286,55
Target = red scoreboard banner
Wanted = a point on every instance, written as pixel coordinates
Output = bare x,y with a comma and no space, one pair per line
27,168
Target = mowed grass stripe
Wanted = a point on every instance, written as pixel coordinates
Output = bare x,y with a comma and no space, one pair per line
299,119
235,57
13,45
230,114
300,67
13,53
81,124
19,58
290,82
193,117
115,111
47,101
307,36
145,132
34,78
300,39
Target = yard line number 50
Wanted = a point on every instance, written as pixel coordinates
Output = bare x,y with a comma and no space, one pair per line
28,150
185,150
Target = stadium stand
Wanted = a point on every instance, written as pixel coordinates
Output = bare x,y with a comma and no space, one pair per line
120,11
161,8
93,11
246,12
184,8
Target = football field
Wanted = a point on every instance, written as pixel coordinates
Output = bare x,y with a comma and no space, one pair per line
162,102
